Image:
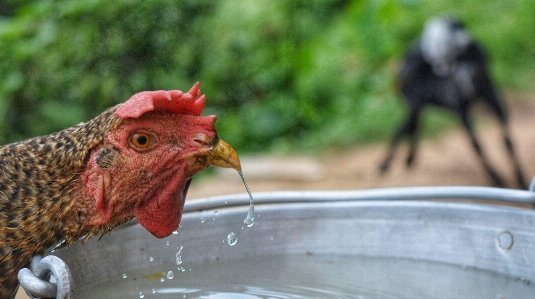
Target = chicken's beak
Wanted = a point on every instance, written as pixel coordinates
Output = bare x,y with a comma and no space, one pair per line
223,155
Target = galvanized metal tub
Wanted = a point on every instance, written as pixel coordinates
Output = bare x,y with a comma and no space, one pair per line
388,243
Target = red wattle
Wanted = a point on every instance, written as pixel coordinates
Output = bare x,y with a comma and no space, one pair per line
161,214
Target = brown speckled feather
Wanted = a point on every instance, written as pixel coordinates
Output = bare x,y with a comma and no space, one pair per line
39,181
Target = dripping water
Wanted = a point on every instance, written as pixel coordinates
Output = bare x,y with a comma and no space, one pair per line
232,238
249,221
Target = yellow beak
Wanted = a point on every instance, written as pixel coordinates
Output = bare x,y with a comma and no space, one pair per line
223,155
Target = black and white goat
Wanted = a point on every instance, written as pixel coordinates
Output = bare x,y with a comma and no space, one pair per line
447,68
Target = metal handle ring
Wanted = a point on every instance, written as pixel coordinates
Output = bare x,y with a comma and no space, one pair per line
37,283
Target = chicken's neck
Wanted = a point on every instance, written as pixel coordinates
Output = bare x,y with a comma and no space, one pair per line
39,193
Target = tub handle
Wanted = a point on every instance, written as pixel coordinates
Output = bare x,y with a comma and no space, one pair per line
49,278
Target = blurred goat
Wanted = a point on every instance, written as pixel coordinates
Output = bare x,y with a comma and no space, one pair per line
448,69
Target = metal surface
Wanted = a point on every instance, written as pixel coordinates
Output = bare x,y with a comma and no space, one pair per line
395,223
483,194
49,278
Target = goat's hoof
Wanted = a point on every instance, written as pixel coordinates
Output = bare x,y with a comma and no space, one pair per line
409,163
383,168
497,181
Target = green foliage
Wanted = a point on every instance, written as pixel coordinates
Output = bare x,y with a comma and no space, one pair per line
280,75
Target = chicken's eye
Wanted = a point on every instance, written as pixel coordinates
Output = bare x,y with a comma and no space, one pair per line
142,140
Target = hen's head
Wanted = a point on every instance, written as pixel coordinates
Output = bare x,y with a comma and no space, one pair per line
145,164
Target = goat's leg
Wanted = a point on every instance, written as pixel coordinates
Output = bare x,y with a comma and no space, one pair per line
496,179
413,144
516,164
391,150
408,128
498,108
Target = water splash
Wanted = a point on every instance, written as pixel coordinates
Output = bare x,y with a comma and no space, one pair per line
232,238
249,221
179,254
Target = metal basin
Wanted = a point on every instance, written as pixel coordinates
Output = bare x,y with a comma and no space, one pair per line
384,243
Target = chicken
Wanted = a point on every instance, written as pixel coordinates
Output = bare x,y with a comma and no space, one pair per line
136,159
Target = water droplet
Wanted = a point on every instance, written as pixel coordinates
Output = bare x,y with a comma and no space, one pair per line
154,291
249,221
203,220
124,275
215,212
151,259
167,243
180,225
226,202
232,238
175,232
141,295
162,279
170,275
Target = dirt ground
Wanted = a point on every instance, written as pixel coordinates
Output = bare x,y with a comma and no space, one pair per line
445,160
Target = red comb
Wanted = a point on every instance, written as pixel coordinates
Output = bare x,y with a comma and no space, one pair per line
163,100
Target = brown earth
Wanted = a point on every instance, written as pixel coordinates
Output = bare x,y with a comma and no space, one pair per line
444,160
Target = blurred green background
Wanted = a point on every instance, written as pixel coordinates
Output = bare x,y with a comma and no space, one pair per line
281,75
